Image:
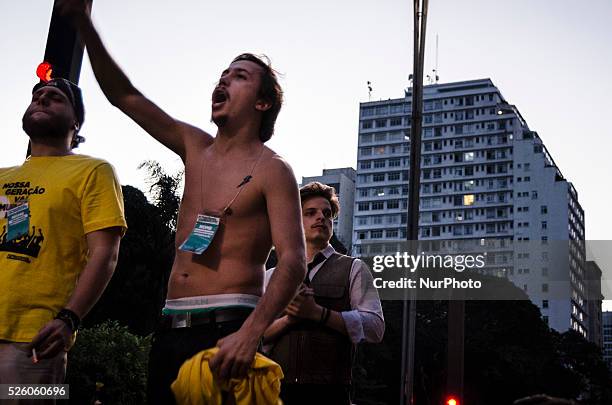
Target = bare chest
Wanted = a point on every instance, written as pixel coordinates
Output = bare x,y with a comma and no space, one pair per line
231,190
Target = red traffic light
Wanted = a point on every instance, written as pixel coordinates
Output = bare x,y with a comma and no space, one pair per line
451,401
44,71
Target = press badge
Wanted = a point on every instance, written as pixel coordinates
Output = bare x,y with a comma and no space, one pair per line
18,222
201,236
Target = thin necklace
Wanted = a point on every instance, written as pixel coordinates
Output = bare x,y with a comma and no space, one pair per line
227,210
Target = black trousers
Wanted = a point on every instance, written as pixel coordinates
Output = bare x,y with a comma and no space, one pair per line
315,394
172,347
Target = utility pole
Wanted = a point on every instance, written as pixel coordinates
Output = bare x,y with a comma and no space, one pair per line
455,354
412,234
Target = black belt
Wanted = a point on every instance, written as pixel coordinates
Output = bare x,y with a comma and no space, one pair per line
189,319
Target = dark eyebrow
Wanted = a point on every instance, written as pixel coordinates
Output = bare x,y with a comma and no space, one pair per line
242,70
56,93
239,70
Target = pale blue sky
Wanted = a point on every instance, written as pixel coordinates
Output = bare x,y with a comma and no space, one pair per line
551,58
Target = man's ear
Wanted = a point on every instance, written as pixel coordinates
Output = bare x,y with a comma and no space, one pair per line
263,105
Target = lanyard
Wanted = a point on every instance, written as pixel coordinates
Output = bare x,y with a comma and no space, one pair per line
227,209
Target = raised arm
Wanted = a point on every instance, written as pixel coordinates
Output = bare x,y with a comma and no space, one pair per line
118,89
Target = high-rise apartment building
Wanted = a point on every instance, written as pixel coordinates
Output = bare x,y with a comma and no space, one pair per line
594,302
484,175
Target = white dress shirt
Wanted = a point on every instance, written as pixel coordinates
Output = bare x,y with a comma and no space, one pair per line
364,322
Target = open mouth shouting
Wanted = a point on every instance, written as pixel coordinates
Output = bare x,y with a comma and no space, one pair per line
219,97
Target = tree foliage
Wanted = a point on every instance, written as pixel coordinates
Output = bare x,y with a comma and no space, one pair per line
108,354
164,189
136,293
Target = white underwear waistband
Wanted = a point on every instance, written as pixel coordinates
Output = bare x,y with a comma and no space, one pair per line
212,301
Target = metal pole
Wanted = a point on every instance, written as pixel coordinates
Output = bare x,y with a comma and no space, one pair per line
412,234
456,339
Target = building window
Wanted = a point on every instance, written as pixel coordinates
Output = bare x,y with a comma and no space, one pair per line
544,304
394,162
363,220
379,164
544,210
363,192
368,112
380,150
366,151
378,205
377,234
363,206
397,108
544,287
396,136
366,124
395,122
380,137
378,177
468,199
392,204
391,233
394,176
381,123
544,225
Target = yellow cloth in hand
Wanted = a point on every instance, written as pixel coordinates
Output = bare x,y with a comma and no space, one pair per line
196,385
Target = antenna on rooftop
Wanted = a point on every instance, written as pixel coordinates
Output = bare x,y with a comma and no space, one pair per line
369,90
434,78
435,71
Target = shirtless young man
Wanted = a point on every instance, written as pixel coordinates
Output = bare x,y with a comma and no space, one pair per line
232,176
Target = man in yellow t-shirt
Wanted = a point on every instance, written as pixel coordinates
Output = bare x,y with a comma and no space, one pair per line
61,221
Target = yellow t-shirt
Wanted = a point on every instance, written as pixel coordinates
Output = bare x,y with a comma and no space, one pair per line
68,197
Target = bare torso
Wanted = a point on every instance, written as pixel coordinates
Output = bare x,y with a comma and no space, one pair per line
234,262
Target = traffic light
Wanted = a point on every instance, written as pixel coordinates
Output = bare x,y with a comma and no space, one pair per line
451,400
64,52
44,71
